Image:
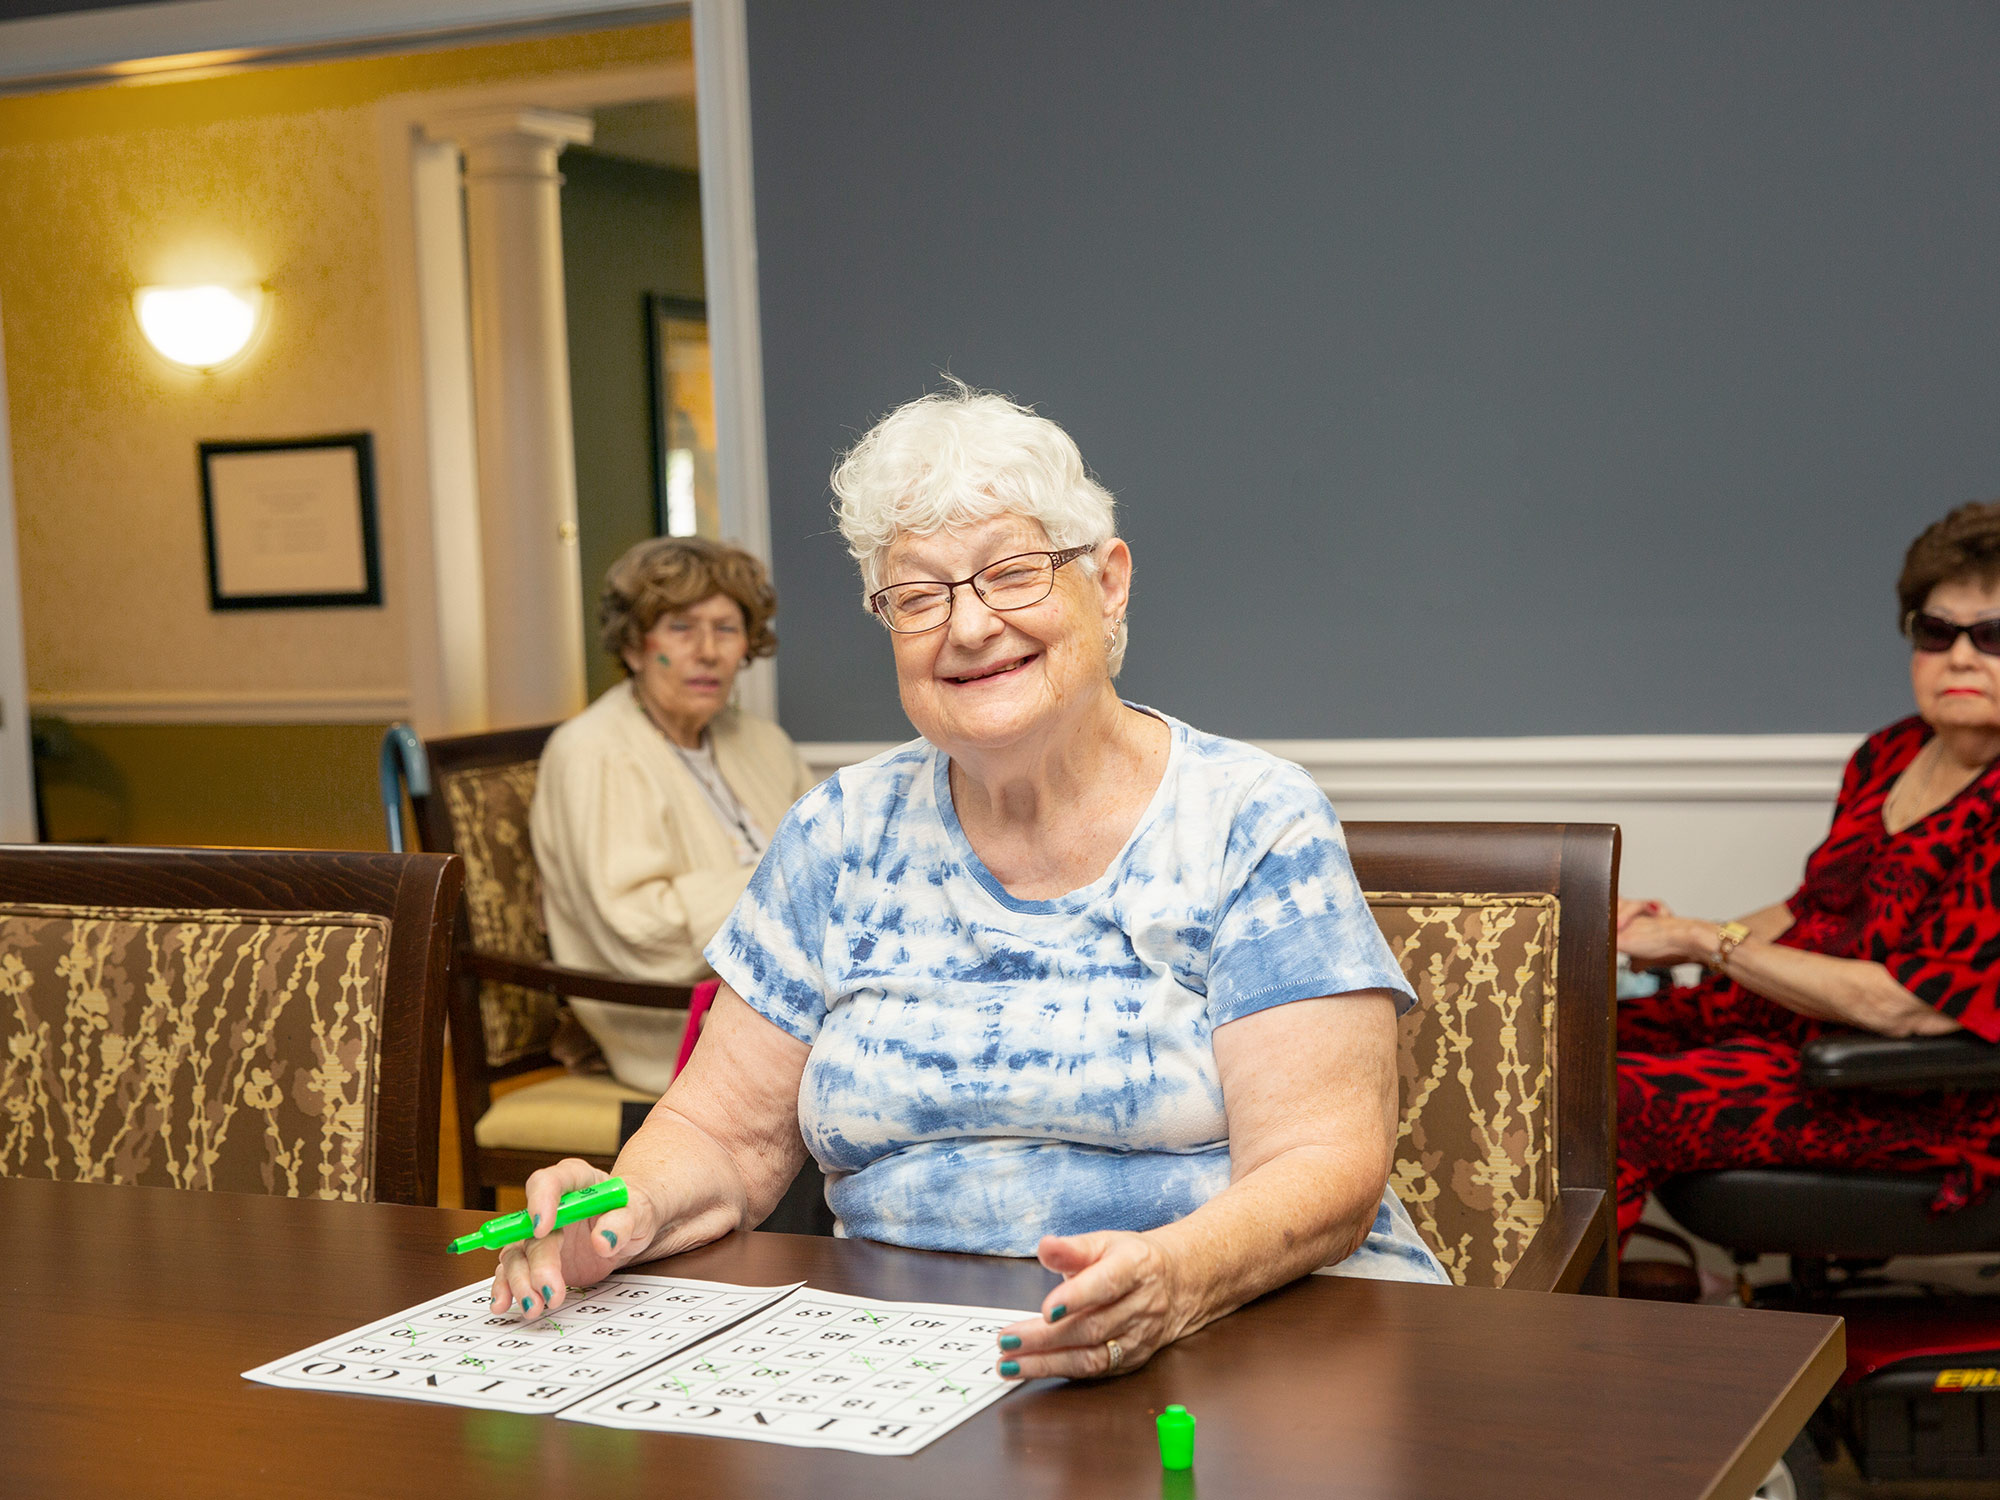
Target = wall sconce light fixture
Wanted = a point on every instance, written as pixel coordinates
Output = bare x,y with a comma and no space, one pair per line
198,326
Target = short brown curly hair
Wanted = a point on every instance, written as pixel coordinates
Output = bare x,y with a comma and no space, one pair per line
666,573
1965,544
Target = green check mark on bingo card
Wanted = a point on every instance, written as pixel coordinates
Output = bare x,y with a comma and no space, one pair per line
511,1229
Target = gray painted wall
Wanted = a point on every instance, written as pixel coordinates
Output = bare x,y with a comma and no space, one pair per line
1460,369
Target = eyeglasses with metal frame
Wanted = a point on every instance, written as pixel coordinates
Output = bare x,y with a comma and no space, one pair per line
1011,583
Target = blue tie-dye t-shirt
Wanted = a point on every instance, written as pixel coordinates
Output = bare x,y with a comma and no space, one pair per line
986,1070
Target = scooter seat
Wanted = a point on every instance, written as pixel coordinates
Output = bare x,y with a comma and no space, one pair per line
1859,1215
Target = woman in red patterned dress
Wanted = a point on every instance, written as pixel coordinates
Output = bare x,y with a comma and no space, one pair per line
1896,930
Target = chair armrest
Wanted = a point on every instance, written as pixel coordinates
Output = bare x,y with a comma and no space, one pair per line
534,974
1575,1227
1959,1061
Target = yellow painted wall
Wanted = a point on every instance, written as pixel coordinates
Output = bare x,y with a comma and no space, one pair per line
286,786
271,176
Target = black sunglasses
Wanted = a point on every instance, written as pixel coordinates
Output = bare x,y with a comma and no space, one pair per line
1928,632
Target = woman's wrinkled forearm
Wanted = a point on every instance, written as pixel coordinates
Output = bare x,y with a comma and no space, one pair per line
1303,1209
719,1150
698,1190
1849,991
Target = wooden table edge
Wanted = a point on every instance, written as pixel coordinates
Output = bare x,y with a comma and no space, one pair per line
1786,1416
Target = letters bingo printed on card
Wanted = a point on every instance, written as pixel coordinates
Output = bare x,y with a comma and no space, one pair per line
457,1350
820,1370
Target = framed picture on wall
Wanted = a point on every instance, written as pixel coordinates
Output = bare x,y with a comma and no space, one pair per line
684,495
290,523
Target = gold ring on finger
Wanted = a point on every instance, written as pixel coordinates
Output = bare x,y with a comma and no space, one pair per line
1117,1355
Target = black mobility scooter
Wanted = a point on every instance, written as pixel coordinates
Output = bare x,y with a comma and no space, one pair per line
1921,1395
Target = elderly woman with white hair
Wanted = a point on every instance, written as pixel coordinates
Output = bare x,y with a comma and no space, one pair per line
1064,977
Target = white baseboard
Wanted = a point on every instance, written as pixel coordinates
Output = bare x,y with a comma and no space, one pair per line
1715,825
324,706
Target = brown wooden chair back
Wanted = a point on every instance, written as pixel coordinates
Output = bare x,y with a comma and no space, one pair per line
1505,1151
255,1021
482,786
505,989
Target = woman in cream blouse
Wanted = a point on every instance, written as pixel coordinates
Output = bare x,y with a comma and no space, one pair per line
654,804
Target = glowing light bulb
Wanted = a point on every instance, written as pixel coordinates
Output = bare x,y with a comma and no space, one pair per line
198,326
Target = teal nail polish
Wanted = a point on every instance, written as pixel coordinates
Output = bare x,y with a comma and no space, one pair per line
1009,1367
535,1223
1010,1341
610,1238
547,1297
527,1304
1056,1312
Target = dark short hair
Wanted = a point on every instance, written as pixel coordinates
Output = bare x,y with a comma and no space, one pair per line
666,573
1965,544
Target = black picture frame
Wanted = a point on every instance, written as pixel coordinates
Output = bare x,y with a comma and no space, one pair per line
370,594
661,310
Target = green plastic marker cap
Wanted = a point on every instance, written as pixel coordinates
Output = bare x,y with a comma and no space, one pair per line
1176,1438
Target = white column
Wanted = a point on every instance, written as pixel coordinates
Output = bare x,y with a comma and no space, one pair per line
454,658
17,766
520,373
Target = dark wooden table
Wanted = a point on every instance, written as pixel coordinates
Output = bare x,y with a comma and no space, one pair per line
131,1314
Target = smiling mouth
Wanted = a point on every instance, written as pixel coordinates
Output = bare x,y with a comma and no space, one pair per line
998,669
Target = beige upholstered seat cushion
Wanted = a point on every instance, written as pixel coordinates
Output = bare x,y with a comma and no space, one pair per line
577,1114
193,1049
488,808
1475,1154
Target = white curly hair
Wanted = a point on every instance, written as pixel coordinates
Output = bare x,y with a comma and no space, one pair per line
960,456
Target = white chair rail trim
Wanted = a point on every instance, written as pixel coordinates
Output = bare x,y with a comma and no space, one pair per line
322,706
1574,768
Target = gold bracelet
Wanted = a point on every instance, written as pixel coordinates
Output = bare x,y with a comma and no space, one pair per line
1727,936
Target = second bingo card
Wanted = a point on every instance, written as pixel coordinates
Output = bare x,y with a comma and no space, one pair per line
823,1370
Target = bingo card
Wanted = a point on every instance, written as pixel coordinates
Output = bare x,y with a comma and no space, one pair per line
457,1350
822,1370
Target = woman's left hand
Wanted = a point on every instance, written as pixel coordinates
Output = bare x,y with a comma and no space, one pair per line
1117,1287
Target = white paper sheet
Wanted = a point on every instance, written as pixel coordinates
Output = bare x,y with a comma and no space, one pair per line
457,1350
821,1370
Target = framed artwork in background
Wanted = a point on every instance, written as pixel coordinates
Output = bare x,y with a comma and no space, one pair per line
290,523
684,494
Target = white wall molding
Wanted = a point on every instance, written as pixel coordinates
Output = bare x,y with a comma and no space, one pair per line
325,706
1651,768
1715,825
193,36
1577,768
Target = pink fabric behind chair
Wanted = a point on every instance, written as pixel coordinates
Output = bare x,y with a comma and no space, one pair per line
698,1004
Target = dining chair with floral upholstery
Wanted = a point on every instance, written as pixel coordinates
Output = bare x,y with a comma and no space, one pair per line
257,1021
1504,1155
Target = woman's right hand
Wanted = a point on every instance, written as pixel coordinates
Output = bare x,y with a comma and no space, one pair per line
534,1277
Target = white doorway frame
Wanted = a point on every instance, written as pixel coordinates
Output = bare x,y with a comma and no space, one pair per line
432,350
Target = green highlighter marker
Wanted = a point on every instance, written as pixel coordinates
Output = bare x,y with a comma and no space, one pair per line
511,1229
1176,1438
